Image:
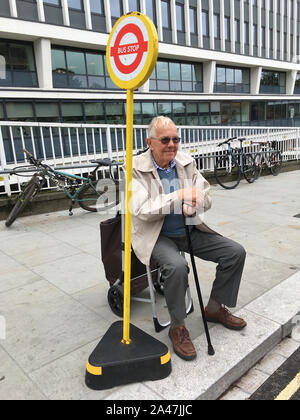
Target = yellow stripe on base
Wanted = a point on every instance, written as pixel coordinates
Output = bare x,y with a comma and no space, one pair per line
94,370
290,390
164,359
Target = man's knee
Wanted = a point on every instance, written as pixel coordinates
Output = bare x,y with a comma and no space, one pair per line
177,269
238,251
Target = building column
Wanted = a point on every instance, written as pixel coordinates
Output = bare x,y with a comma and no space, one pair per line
187,22
259,37
13,8
107,16
87,13
209,71
242,32
65,12
255,78
40,10
42,50
291,81
267,30
232,26
199,23
222,28
159,21
173,21
211,25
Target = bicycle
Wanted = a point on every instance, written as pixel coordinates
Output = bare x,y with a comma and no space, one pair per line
267,157
230,166
87,194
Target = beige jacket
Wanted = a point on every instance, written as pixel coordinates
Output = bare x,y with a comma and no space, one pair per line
150,205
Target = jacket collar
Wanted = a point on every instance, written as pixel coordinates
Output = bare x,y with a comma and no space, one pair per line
144,161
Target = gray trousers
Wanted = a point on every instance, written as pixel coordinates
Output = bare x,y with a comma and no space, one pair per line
229,255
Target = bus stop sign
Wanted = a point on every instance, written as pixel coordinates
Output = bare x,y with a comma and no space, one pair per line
132,51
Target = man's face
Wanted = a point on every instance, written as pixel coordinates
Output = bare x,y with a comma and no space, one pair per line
164,153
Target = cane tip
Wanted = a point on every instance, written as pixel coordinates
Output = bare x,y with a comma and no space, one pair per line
211,351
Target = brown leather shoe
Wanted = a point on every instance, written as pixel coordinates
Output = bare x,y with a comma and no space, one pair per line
224,316
182,343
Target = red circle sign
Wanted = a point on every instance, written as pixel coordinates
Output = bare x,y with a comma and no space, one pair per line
138,48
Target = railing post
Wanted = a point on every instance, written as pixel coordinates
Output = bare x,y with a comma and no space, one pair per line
3,165
108,141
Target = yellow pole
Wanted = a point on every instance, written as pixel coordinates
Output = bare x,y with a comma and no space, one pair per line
127,259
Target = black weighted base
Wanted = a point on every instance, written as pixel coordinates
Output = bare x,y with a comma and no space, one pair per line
113,363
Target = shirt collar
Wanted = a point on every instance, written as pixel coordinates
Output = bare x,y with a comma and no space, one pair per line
169,169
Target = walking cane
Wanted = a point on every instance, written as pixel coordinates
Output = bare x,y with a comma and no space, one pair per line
211,350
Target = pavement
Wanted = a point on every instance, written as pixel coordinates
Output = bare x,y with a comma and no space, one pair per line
54,310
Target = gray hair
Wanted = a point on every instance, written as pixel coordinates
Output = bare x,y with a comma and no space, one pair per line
161,120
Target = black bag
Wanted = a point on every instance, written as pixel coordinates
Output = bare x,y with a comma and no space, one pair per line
111,253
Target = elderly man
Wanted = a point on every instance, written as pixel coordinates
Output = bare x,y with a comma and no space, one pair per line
166,186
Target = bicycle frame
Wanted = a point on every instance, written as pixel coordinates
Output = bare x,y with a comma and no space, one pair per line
85,180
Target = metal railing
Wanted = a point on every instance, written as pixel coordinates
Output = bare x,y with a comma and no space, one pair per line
78,144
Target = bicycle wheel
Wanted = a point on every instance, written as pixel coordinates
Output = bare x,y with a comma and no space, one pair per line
249,169
99,196
258,161
23,199
276,163
227,172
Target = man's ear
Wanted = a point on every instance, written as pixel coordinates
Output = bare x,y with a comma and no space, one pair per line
148,141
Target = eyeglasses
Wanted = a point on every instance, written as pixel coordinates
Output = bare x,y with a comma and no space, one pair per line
166,140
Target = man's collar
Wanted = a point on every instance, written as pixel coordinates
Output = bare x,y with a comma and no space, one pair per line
172,164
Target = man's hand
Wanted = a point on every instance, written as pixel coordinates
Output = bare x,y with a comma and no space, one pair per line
188,210
192,197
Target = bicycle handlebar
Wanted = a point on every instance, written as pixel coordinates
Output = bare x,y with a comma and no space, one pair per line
106,162
227,141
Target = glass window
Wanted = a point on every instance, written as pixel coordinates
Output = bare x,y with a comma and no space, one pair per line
96,6
193,20
162,70
149,111
47,112
76,62
17,65
95,64
165,13
165,108
115,113
133,5
58,60
180,17
237,30
115,8
217,26
22,111
22,57
205,24
150,10
227,28
72,112
232,80
94,112
192,114
174,71
55,2
75,4
186,71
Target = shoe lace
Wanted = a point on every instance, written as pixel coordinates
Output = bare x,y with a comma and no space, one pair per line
184,335
226,311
